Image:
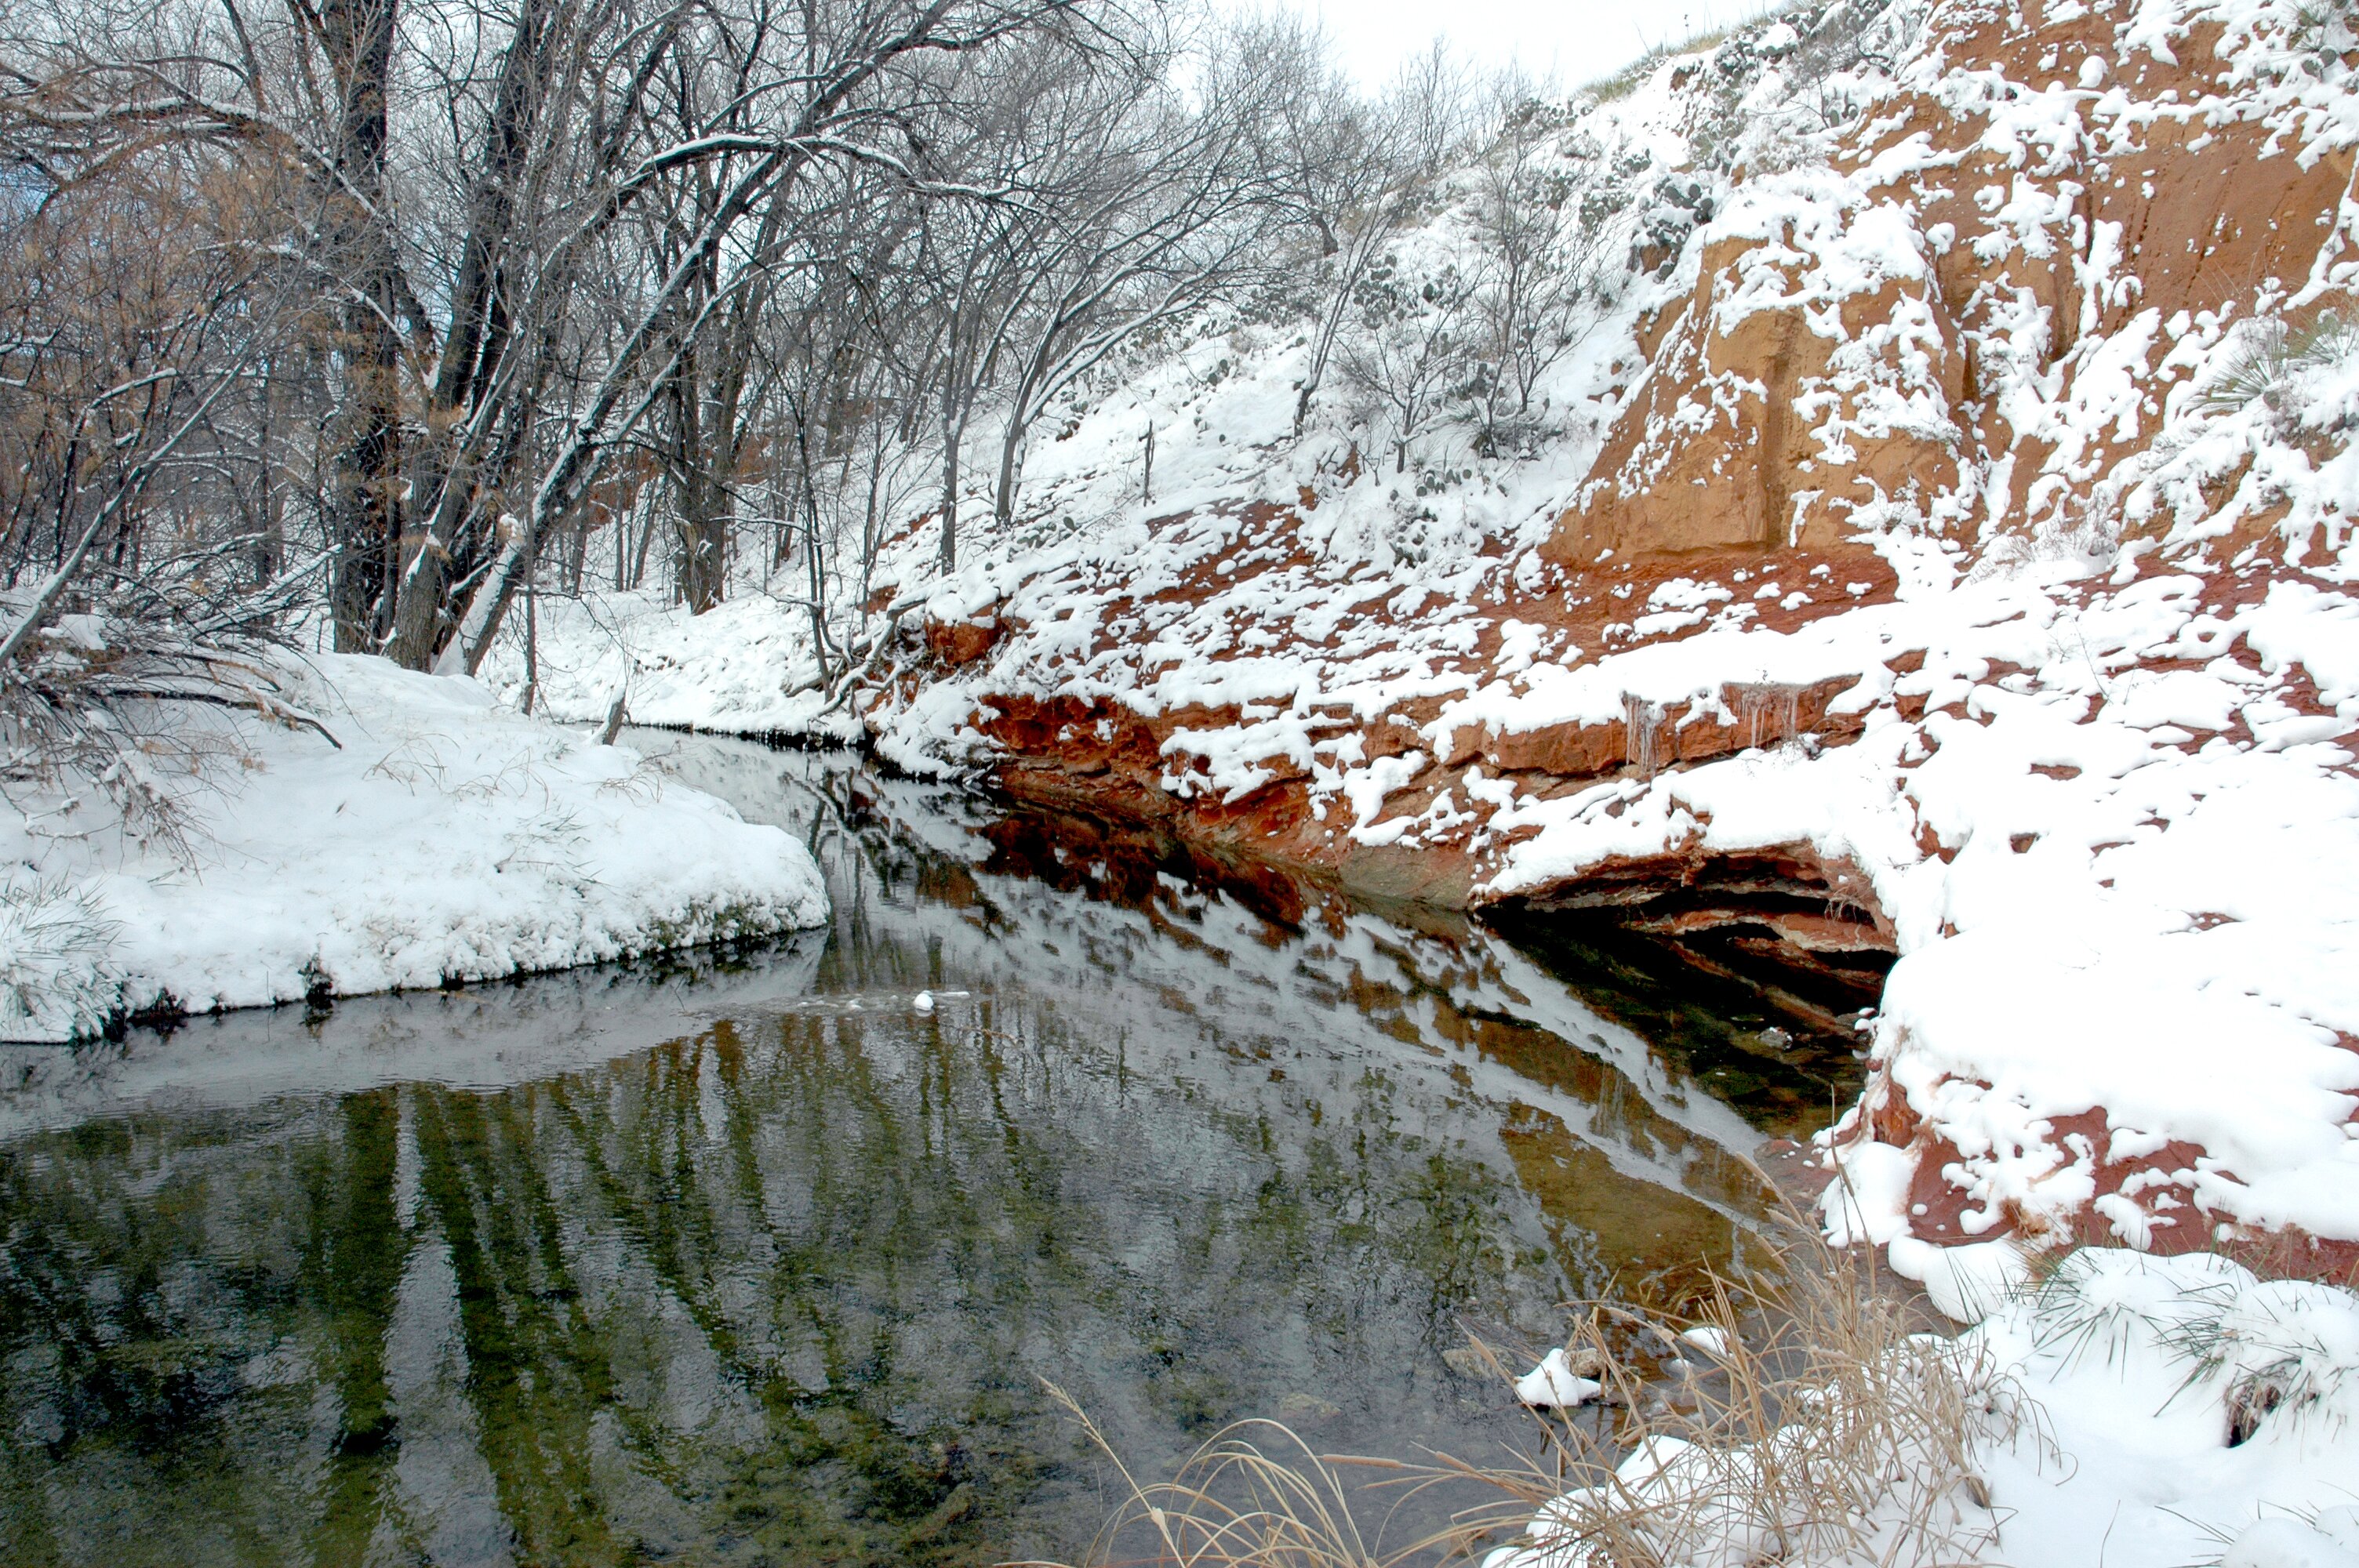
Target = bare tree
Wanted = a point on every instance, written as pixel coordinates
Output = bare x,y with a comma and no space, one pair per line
1408,354
136,312
829,100
1355,172
1153,207
1537,238
470,292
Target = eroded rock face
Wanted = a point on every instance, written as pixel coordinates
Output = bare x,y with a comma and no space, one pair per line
1981,339
1767,416
1237,779
957,644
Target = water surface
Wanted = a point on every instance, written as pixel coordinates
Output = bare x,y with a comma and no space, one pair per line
745,1259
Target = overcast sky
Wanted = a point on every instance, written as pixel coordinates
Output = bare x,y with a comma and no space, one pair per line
1577,41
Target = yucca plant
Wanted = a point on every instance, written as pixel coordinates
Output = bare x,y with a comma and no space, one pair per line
2271,363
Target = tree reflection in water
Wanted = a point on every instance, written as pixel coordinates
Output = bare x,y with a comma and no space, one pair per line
745,1260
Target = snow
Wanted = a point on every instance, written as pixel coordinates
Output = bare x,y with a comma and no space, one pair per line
2104,785
438,839
1712,1342
745,667
2141,1411
1553,1385
2329,1541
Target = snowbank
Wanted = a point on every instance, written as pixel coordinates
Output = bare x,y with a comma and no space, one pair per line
439,837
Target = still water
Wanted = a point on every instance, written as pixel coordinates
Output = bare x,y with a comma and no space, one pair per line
750,1259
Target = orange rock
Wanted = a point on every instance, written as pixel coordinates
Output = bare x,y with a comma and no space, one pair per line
961,643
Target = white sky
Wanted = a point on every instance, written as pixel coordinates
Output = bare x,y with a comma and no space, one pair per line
1575,40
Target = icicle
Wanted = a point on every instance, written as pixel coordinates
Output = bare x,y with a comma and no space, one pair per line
1755,699
1641,721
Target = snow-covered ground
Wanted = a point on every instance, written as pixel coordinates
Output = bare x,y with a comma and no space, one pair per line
2132,1410
744,667
436,837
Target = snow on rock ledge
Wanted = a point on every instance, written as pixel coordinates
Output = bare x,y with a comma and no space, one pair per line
447,839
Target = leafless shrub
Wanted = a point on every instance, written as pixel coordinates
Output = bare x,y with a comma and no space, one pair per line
98,699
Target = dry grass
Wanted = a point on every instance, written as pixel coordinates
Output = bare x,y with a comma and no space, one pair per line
1832,1429
1256,1496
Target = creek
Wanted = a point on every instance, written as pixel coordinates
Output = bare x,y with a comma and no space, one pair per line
756,1257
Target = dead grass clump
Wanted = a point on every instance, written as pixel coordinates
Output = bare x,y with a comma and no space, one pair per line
1256,1496
1803,1415
1806,1417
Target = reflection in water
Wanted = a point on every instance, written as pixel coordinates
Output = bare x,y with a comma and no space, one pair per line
748,1261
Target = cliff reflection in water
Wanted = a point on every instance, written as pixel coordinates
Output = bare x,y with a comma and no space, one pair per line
750,1261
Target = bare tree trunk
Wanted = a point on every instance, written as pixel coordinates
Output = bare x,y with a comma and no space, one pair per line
531,649
270,550
704,523
703,551
580,568
364,489
1011,448
646,541
812,558
951,433
477,338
